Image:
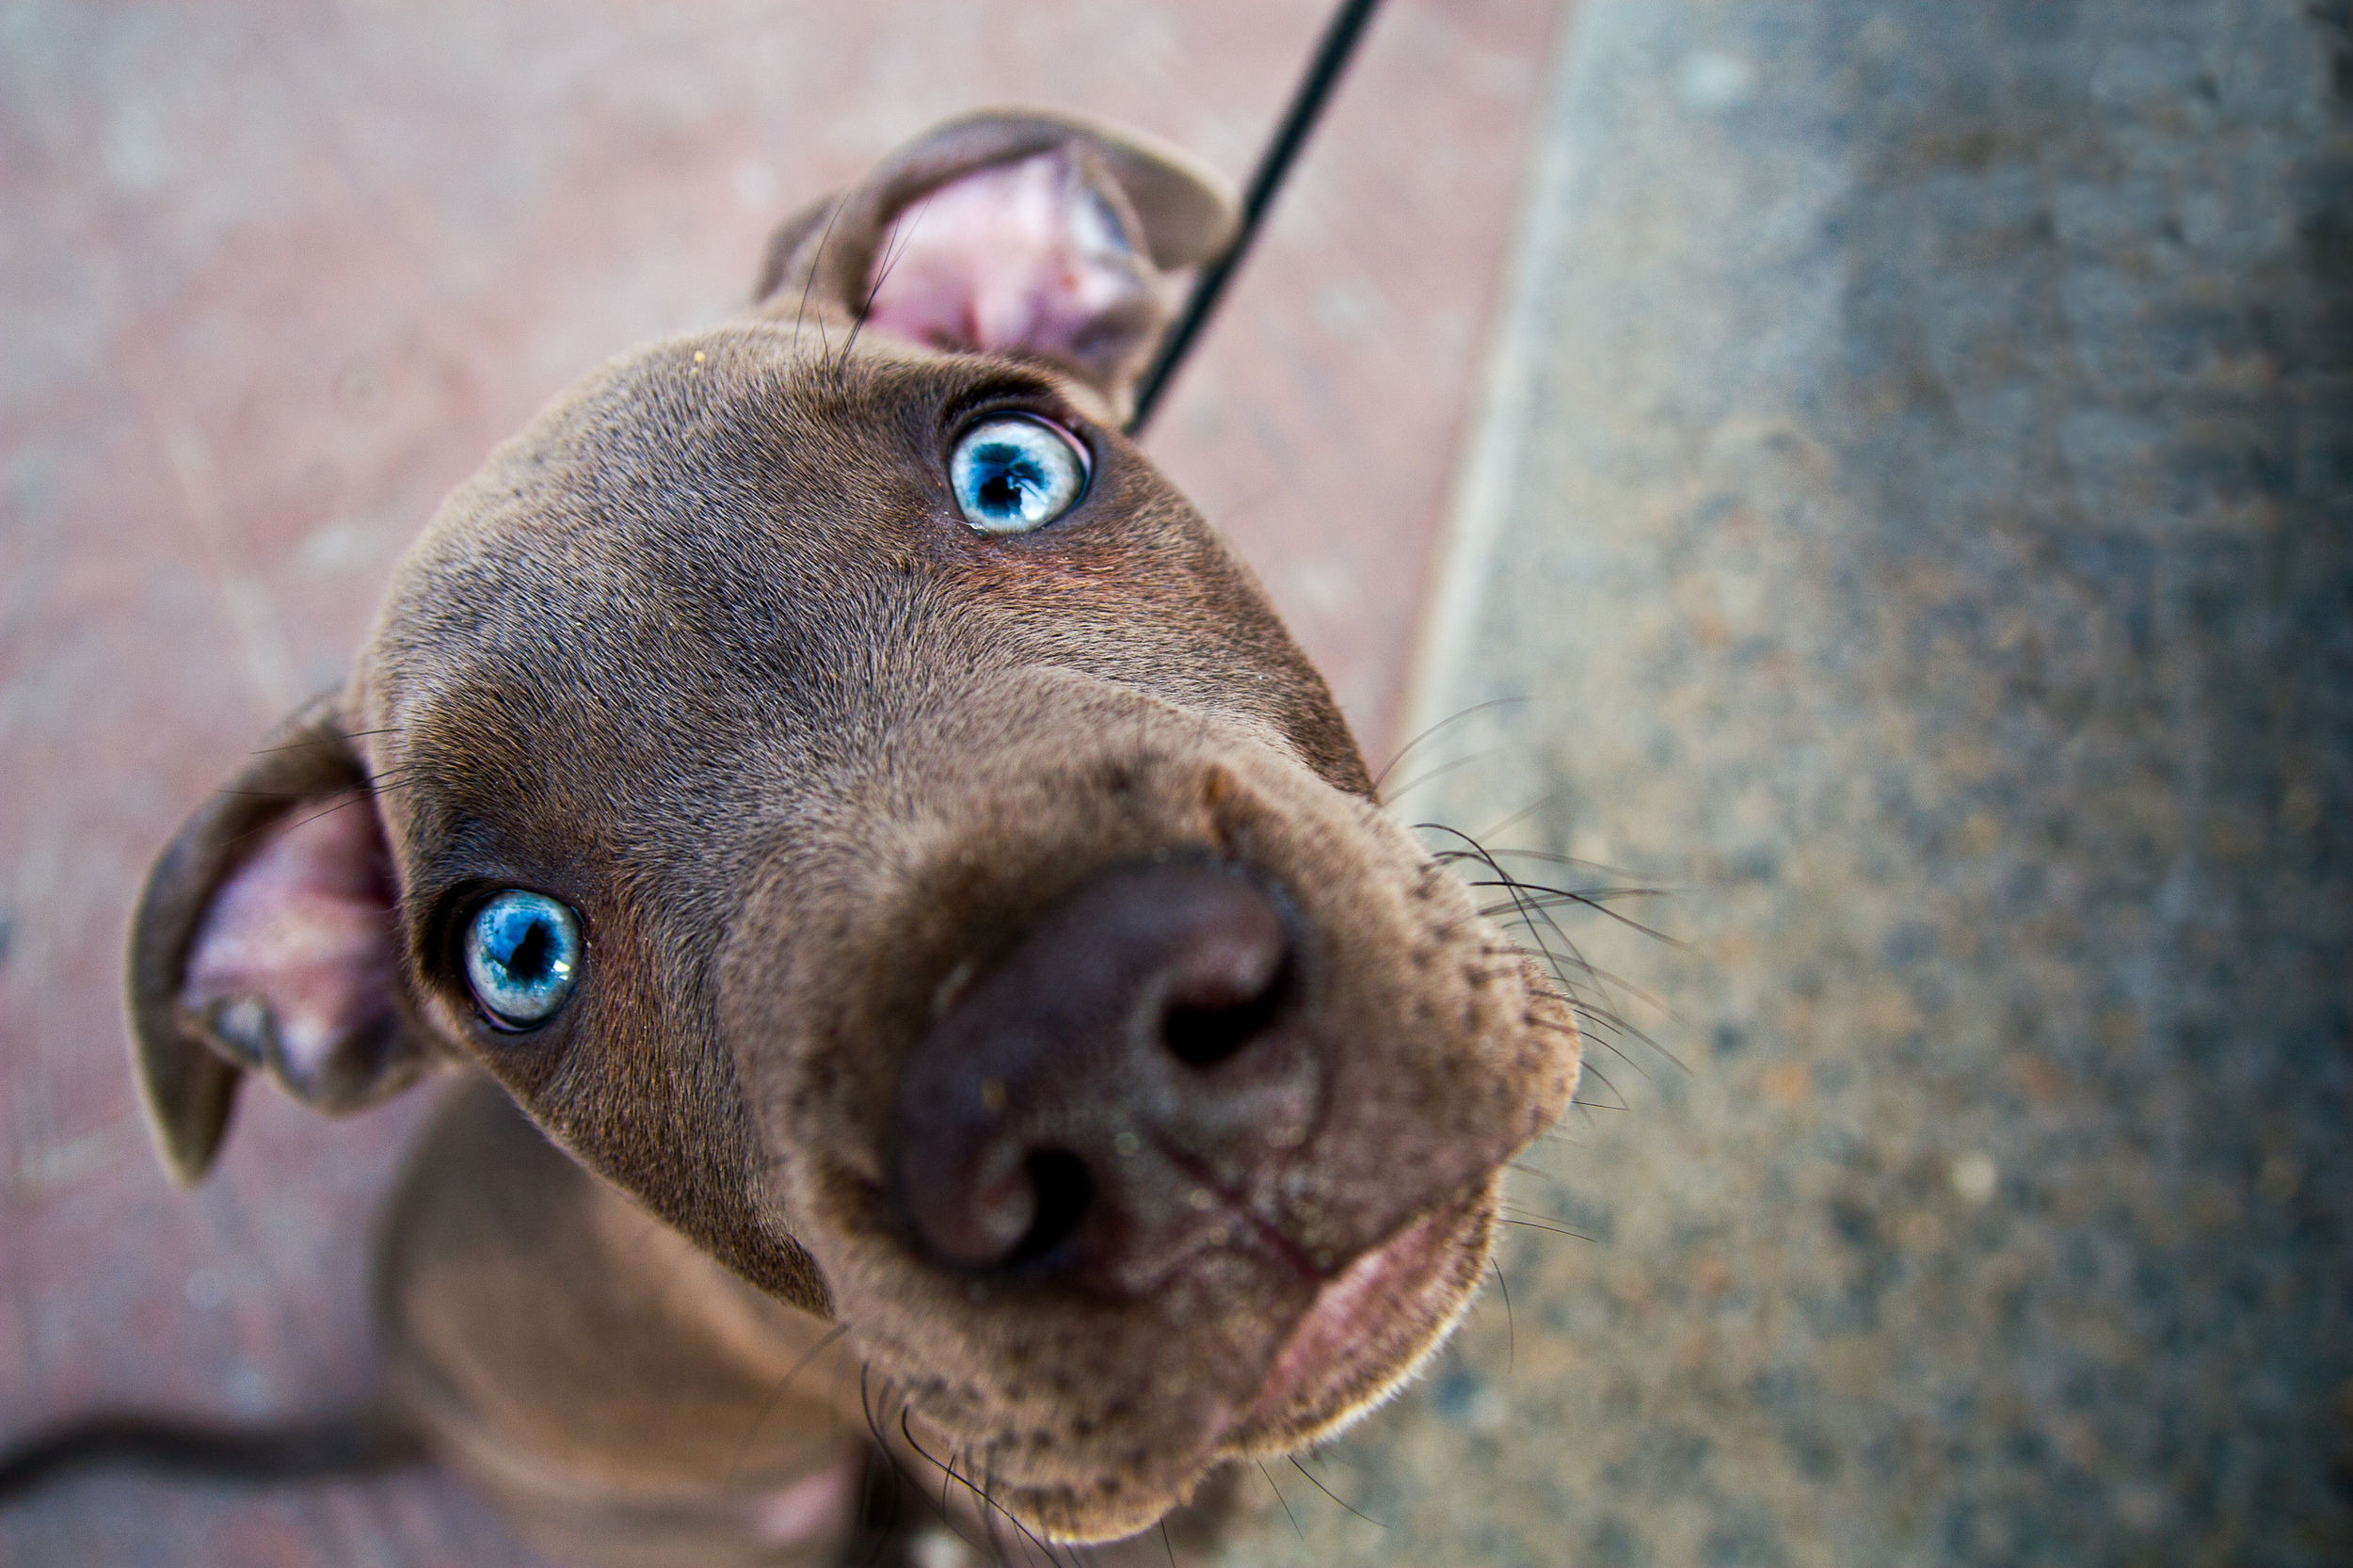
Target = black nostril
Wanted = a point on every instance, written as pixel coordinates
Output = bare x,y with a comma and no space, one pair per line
1063,1190
1139,1018
1205,1035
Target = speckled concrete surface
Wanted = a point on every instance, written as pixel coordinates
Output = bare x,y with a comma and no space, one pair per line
1916,510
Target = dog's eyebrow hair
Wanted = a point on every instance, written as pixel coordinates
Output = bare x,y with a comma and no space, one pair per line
1007,387
463,850
315,742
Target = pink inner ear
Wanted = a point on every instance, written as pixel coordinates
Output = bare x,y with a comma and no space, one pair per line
300,942
1019,255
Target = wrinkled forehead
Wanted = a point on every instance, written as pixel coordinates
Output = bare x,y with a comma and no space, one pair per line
753,467
661,552
732,540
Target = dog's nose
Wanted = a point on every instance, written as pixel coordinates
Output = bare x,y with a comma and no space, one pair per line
1093,1106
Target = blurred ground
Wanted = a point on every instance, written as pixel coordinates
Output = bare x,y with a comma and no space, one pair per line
1914,513
273,277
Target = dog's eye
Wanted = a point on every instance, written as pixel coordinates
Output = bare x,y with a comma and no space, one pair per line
1015,473
523,957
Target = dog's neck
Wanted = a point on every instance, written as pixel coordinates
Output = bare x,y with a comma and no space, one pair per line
607,1303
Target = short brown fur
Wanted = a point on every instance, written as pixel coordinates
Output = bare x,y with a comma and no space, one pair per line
707,654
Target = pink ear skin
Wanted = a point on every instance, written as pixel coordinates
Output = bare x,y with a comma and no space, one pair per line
265,940
1031,255
1008,231
293,969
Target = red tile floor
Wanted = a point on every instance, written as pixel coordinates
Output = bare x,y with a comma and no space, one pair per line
273,277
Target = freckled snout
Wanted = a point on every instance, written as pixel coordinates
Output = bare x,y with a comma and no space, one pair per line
1094,1109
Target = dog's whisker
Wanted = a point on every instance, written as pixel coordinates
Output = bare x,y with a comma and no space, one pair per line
1594,895
1510,1330
999,1549
1607,1028
988,1513
947,1476
1553,858
1278,1498
1523,1212
1543,897
1547,799
324,746
882,1443
1528,906
1434,775
907,1431
1556,1230
1576,962
1512,886
864,1519
1334,1496
1531,913
1591,1013
998,1511
1476,847
906,1434
1407,749
743,1449
902,239
1591,897
343,798
808,277
906,1481
1545,954
1603,1079
1590,1018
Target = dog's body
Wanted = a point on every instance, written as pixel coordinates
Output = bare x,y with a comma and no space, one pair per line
626,1398
1001,1021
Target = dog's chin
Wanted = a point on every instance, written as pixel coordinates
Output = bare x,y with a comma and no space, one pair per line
1361,1339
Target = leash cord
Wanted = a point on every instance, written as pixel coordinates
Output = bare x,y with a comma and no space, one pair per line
367,1440
1324,75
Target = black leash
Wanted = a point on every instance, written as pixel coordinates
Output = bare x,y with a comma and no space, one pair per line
358,1442
1323,74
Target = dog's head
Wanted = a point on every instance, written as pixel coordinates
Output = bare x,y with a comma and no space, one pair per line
853,802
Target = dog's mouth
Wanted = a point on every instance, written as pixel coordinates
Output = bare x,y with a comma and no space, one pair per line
1361,1337
1368,1328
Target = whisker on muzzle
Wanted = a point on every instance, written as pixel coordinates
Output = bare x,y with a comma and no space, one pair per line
990,1505
768,1406
1511,1331
1529,906
1279,1498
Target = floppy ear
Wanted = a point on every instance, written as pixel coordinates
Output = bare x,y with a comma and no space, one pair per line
266,941
1015,232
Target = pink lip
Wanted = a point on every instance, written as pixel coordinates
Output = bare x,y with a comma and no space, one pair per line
1340,1332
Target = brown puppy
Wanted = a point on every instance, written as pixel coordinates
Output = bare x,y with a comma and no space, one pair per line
847,802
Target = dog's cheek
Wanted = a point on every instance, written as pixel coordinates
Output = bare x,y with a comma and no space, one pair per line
805,987
635,1082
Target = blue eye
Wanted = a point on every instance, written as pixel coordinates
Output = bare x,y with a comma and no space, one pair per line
1016,473
523,957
